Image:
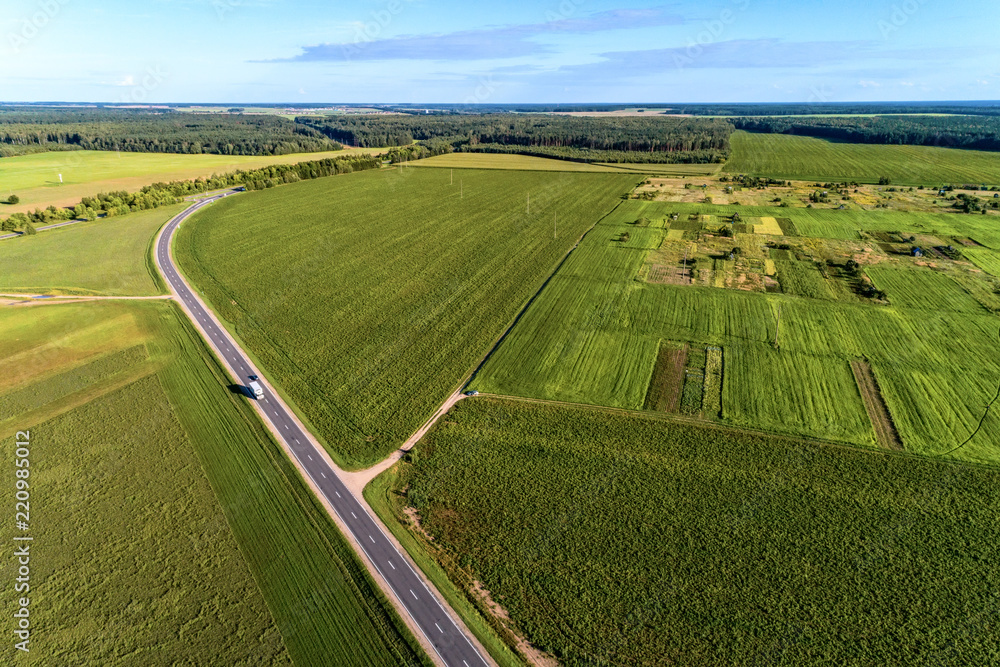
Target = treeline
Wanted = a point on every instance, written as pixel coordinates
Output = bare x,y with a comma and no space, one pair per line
969,132
807,109
110,204
523,133
144,131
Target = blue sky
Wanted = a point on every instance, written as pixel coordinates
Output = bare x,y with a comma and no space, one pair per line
238,51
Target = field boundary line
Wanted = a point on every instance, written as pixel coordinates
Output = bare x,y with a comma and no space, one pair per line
666,417
358,479
524,309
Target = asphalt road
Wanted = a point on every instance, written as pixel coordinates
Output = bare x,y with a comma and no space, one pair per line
452,645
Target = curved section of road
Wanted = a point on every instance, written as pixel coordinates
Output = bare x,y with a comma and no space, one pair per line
452,645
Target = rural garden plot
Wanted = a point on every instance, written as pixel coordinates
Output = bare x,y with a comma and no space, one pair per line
367,297
595,319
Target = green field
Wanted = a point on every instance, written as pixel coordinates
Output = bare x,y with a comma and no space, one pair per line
507,161
108,257
794,157
368,297
658,542
594,333
133,429
513,161
35,178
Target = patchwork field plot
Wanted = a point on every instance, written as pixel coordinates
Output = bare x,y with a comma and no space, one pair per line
851,553
794,157
35,178
594,334
767,225
664,393
369,323
133,428
107,257
878,412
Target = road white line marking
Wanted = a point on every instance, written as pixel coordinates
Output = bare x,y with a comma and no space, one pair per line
354,515
372,539
465,663
324,475
391,565
414,594
310,456
286,425
338,493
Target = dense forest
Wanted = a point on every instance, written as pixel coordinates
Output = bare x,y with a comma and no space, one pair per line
586,138
971,132
25,130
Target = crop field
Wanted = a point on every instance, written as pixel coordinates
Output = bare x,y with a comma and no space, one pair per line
924,290
987,260
793,157
107,257
507,161
35,178
368,316
517,162
100,484
654,541
133,429
594,334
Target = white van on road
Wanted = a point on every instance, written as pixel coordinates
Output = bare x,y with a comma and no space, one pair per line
256,390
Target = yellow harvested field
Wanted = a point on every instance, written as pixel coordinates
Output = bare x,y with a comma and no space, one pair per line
35,178
769,268
767,225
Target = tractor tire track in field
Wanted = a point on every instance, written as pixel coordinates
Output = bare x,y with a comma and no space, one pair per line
982,419
524,309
